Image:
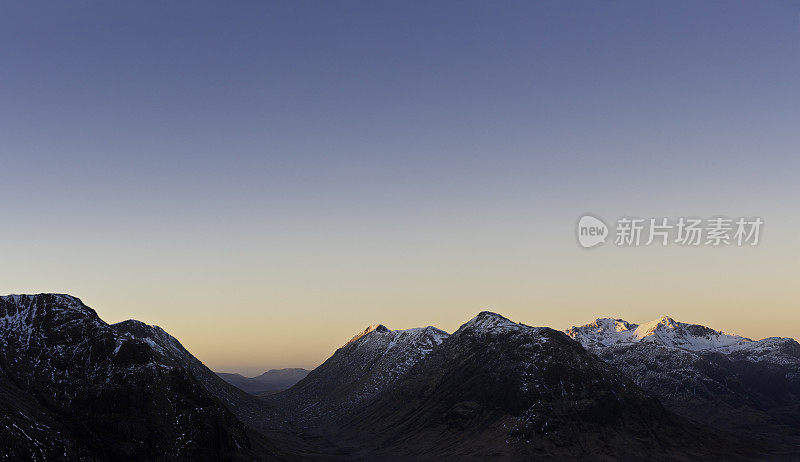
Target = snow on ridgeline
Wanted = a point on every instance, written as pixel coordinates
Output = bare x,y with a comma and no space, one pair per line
360,371
665,331
490,323
411,344
487,320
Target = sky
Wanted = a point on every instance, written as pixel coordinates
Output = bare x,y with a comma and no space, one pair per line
265,179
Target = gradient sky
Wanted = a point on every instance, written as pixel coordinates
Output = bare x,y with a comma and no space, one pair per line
264,179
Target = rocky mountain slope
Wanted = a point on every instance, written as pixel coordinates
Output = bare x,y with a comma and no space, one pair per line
751,387
357,373
250,410
493,390
268,431
75,388
272,381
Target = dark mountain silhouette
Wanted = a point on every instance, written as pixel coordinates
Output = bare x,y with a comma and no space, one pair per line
75,388
270,435
246,407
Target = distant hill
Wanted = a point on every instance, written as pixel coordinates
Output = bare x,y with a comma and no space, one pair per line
272,381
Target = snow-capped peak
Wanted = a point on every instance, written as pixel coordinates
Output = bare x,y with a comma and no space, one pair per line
410,344
612,325
663,331
364,367
486,320
650,328
41,304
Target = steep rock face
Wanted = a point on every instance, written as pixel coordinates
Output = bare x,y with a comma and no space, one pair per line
82,390
29,431
725,380
247,408
358,372
498,389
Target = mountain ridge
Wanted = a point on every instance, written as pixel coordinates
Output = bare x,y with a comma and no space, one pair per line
504,390
75,369
357,372
73,387
749,387
665,331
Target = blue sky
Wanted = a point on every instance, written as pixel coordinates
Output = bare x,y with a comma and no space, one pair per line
287,158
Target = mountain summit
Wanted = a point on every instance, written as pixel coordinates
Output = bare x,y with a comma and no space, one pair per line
750,387
487,320
667,332
373,328
358,372
73,388
500,390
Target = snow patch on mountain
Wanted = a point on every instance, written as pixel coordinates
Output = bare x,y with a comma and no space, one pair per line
360,371
487,320
56,349
666,332
247,408
401,348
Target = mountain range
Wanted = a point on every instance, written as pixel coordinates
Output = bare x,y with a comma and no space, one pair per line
73,387
749,387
